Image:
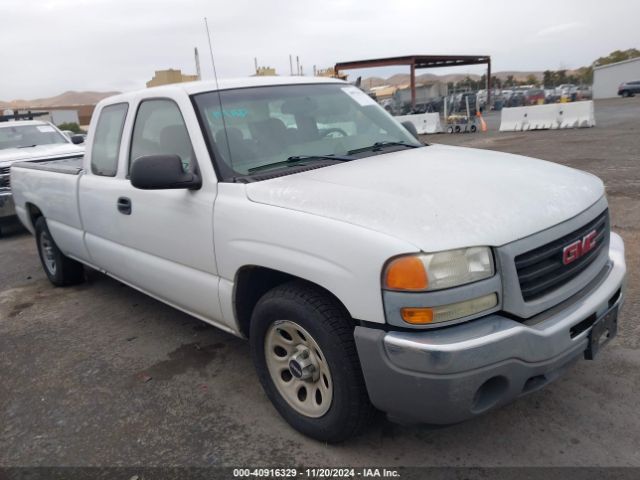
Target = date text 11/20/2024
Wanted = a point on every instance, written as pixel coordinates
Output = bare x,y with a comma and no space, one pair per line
315,473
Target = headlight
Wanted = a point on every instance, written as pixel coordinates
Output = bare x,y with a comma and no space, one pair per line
435,271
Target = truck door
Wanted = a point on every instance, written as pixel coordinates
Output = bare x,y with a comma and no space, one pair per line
160,241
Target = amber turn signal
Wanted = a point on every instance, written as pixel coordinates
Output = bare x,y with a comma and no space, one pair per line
417,316
406,273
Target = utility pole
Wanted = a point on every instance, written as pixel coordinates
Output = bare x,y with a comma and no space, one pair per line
489,86
198,64
297,65
290,65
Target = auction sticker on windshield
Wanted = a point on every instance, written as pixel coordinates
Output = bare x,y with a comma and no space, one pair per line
359,96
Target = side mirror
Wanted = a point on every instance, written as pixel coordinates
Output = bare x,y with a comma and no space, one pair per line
77,139
411,128
160,172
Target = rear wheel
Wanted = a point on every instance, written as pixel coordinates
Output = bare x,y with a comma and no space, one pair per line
626,94
305,356
60,270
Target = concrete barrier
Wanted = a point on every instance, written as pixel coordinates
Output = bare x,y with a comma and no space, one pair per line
548,117
424,122
577,115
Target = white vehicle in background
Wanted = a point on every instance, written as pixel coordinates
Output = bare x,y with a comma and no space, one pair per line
584,92
366,268
550,95
482,96
34,141
567,91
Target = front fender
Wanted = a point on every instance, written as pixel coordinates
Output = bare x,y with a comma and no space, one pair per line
345,259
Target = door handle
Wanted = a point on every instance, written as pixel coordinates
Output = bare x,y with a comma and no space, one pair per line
124,205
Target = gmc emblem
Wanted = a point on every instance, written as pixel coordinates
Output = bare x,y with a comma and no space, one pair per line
577,249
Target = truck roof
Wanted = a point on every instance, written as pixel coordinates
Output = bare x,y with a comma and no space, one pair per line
19,123
223,84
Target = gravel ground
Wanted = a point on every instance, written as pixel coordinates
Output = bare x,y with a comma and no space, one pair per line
102,375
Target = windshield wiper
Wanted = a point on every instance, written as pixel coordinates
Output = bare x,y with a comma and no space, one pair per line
299,158
27,146
380,145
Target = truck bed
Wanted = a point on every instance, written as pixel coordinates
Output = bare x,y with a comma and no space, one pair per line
66,165
52,187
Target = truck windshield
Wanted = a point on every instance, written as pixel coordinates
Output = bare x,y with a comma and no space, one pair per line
24,136
268,127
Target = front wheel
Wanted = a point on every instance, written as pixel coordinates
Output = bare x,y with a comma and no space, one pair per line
60,270
304,353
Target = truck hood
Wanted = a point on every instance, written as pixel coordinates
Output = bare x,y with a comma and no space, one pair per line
439,197
39,152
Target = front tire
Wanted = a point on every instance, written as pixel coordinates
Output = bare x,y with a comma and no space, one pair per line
61,270
305,356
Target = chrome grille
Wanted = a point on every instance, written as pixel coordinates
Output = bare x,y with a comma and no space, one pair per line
4,179
542,270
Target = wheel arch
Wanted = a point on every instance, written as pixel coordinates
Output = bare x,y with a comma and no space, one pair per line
253,281
33,213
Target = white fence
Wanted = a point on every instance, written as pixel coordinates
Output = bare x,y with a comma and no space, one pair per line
546,117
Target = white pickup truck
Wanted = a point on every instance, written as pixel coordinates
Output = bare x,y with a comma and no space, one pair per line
365,268
34,141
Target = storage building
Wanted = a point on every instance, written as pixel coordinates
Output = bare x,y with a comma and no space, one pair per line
607,78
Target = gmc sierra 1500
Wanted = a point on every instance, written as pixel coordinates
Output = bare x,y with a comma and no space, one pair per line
367,269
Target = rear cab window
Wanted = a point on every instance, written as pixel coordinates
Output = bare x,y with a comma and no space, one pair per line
106,143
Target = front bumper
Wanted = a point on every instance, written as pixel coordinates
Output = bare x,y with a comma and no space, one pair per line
448,375
7,208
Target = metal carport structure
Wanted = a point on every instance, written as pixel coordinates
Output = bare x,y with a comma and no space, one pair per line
420,62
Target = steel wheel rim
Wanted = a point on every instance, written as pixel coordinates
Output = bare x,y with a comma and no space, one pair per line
46,247
286,341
